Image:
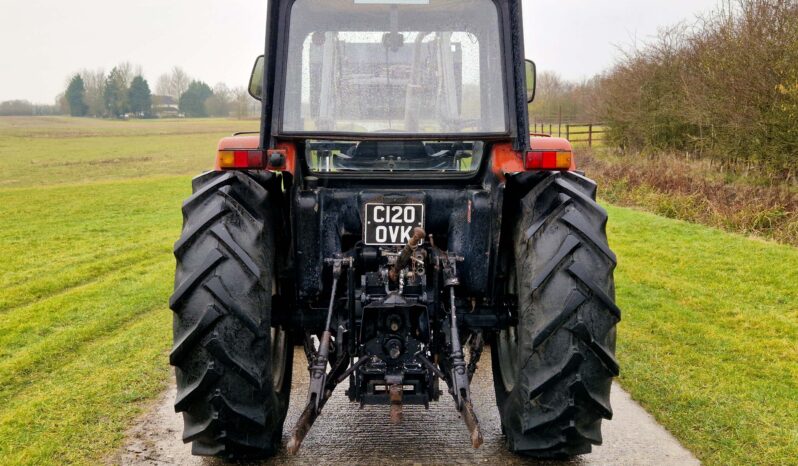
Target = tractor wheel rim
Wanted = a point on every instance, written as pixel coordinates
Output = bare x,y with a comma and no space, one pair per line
279,347
507,348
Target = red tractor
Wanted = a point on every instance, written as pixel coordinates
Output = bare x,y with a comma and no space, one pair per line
393,217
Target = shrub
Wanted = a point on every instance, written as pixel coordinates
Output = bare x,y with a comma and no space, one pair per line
724,88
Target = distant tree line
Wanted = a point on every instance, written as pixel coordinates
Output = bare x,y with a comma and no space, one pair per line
725,88
122,92
125,93
26,108
558,100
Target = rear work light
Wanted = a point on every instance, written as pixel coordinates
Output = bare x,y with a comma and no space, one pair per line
548,160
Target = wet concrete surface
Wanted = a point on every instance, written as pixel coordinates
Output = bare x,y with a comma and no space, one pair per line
345,434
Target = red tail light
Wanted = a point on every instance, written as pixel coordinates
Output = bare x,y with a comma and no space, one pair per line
249,159
507,161
548,160
240,159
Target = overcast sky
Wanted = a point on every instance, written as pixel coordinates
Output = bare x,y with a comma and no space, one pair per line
43,41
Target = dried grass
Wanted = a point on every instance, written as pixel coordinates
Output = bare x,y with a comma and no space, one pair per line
700,191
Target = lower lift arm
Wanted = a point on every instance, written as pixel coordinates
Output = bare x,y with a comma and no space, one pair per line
319,390
458,380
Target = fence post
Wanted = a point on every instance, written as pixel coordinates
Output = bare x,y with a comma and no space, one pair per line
568,132
590,135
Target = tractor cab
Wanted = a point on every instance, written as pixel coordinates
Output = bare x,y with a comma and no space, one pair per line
384,86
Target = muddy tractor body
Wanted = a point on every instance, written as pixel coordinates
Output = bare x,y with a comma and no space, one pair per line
394,218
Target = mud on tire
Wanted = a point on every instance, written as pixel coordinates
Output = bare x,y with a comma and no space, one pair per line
553,372
233,369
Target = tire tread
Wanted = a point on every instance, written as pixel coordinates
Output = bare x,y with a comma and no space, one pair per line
222,319
566,322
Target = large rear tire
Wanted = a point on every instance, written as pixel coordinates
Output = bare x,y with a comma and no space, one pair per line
554,370
233,369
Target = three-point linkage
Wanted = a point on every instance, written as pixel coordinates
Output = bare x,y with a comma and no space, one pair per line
452,367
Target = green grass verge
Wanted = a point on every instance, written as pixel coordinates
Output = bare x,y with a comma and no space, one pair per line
709,340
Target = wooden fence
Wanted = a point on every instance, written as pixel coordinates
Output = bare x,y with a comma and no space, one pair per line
590,133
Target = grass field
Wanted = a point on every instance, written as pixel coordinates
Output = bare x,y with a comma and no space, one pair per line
88,214
47,151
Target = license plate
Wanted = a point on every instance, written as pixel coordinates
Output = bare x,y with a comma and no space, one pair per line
392,224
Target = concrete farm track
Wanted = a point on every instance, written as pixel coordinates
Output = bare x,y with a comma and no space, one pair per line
347,435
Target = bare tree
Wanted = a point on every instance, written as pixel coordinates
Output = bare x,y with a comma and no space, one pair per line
62,104
179,81
244,106
224,92
560,101
164,85
126,72
221,102
94,81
